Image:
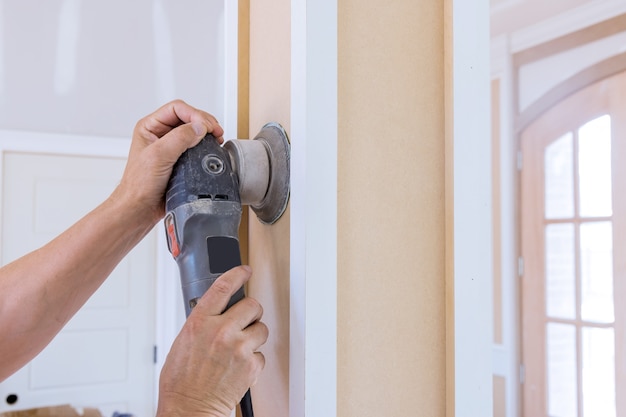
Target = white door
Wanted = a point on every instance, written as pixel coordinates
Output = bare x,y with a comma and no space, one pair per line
104,357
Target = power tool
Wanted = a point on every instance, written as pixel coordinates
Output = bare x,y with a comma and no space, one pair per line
203,204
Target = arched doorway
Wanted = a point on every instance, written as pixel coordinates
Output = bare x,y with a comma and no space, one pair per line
573,218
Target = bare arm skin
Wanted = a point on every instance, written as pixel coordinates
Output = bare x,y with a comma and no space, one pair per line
41,291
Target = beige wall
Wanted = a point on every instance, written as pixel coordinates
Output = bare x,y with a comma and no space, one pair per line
391,329
391,313
269,92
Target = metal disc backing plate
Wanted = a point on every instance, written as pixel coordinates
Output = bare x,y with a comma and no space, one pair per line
274,204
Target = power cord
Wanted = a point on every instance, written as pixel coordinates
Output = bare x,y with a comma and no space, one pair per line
246,405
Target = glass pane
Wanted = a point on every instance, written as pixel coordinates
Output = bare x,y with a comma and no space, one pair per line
598,372
560,271
596,272
561,370
594,167
559,178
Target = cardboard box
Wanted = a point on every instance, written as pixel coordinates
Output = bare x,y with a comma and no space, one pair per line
59,411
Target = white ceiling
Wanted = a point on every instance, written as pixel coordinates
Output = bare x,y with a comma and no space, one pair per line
509,16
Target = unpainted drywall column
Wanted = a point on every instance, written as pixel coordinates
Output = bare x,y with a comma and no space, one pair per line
391,314
391,235
269,100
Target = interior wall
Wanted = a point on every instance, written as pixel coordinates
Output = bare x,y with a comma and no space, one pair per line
391,298
391,301
95,68
269,100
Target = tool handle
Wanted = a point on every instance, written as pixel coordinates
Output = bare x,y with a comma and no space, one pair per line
213,255
246,402
203,209
204,262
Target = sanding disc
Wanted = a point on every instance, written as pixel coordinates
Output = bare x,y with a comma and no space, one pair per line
262,167
277,145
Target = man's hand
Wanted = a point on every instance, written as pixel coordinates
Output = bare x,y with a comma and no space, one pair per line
215,358
158,141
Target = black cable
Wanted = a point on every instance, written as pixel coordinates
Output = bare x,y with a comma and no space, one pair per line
246,405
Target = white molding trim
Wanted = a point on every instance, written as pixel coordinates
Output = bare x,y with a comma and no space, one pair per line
506,355
313,246
568,22
469,200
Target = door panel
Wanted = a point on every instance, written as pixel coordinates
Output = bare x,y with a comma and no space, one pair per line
104,356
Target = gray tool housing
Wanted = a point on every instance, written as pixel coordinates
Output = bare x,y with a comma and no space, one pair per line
203,203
